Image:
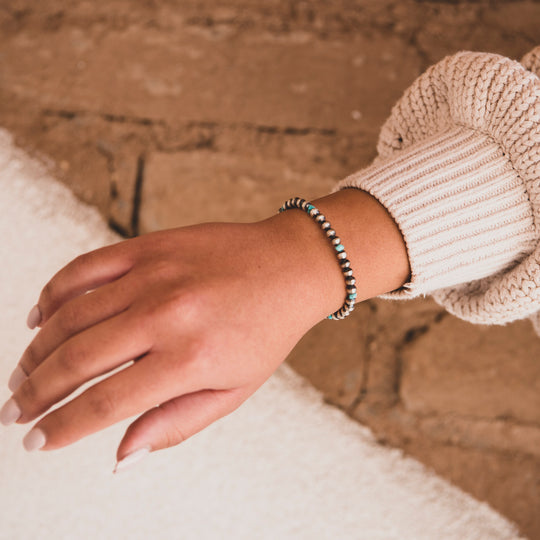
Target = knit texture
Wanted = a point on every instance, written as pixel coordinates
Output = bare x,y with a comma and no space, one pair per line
458,168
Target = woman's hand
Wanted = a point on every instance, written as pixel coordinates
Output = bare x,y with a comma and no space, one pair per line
184,325
199,318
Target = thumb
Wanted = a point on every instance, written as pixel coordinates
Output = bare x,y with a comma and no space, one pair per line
175,421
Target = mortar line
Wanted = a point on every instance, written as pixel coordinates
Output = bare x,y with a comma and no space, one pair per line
137,195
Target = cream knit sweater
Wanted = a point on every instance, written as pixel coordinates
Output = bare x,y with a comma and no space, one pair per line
458,168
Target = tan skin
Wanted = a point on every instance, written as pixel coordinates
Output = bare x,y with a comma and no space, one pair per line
199,316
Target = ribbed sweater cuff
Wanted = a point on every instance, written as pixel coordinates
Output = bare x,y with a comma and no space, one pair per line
462,209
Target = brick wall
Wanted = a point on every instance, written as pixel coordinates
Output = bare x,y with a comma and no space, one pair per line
169,113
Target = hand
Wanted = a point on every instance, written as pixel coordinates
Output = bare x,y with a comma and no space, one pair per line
184,325
198,317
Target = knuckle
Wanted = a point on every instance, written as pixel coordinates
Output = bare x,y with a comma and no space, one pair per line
198,359
187,306
29,359
236,398
80,262
175,436
52,292
68,318
164,269
102,405
70,359
170,306
48,293
56,425
175,305
27,394
173,433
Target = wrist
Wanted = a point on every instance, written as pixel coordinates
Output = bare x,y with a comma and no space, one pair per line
373,242
308,266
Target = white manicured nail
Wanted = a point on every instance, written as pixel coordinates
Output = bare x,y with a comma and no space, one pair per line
34,317
131,459
34,440
17,378
10,412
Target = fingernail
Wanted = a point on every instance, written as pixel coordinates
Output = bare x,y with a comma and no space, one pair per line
131,459
34,317
17,378
34,440
10,412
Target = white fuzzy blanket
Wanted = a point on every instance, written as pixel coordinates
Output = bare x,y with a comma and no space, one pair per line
284,466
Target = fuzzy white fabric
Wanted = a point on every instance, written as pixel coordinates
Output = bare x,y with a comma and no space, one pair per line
458,168
284,466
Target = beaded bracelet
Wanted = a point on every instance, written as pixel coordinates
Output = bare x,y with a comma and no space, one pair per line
344,263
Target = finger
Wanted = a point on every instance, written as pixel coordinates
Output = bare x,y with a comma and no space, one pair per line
128,392
94,352
176,420
73,317
83,274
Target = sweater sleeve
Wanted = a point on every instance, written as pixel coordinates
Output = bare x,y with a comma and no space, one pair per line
458,168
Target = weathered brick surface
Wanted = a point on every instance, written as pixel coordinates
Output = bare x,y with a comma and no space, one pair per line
169,113
253,79
203,185
489,372
330,357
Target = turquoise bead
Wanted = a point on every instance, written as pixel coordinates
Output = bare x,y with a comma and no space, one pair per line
340,247
352,296
310,207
